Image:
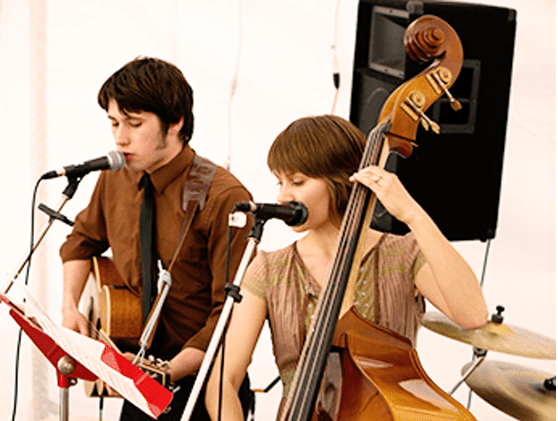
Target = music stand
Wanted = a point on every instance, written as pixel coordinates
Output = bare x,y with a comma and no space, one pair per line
68,370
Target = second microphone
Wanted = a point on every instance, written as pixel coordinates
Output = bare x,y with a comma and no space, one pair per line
292,213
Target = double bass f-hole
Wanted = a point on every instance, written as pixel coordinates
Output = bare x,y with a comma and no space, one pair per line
429,39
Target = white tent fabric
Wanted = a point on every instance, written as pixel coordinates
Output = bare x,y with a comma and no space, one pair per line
254,66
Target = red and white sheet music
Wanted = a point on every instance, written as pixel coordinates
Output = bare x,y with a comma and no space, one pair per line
102,360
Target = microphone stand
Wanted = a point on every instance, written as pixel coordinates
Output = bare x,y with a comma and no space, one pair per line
67,194
232,296
65,364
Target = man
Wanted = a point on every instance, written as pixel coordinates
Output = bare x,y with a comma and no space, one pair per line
149,106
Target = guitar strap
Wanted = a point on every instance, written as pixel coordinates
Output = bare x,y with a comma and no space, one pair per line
195,191
193,199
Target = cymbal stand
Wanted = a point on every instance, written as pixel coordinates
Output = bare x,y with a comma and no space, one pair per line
479,356
232,296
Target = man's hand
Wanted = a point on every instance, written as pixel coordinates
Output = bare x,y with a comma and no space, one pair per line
75,274
112,392
73,319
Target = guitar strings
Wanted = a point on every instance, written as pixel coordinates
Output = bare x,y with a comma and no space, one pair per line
100,334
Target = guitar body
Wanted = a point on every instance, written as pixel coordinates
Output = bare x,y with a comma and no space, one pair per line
119,313
114,313
383,378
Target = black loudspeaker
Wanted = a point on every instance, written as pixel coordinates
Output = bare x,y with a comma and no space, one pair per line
455,175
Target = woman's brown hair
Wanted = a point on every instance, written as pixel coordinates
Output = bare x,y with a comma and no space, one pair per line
327,147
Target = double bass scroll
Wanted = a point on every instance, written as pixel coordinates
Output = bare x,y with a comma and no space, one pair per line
428,39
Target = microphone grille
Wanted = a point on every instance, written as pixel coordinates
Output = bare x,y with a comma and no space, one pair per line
301,214
117,160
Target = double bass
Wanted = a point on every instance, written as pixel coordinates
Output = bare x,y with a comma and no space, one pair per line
382,378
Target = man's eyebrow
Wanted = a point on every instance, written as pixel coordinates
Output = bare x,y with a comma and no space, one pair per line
126,117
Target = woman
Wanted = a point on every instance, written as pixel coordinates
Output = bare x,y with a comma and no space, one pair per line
315,160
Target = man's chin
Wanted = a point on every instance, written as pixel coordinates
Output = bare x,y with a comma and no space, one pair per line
134,167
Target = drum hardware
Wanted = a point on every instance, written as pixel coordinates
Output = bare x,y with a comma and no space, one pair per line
494,336
478,357
521,392
479,354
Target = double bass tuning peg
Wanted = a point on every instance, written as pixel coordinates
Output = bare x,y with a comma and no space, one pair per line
438,79
413,106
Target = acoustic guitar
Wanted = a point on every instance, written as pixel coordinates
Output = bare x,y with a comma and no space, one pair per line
115,317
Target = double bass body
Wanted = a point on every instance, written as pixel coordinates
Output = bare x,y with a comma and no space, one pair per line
382,378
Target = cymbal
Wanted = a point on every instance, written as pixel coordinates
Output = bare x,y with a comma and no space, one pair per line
493,336
516,390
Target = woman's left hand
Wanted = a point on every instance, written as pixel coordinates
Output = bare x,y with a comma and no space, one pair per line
390,191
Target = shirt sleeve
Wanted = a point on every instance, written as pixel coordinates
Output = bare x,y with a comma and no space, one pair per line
418,261
257,275
219,209
88,237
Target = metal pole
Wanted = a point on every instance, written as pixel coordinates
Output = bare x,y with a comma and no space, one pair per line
253,240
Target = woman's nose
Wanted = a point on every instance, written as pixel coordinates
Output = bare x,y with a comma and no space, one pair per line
284,196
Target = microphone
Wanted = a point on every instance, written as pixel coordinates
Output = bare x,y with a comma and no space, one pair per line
292,213
114,161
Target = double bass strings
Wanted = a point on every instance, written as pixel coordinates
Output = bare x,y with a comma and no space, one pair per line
322,328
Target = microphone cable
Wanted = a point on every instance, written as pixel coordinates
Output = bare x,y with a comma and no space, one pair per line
234,85
221,371
26,282
482,277
234,291
335,63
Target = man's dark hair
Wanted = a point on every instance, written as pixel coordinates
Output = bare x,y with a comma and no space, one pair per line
152,85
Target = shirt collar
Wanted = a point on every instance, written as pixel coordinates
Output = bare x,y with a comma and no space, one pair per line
165,175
